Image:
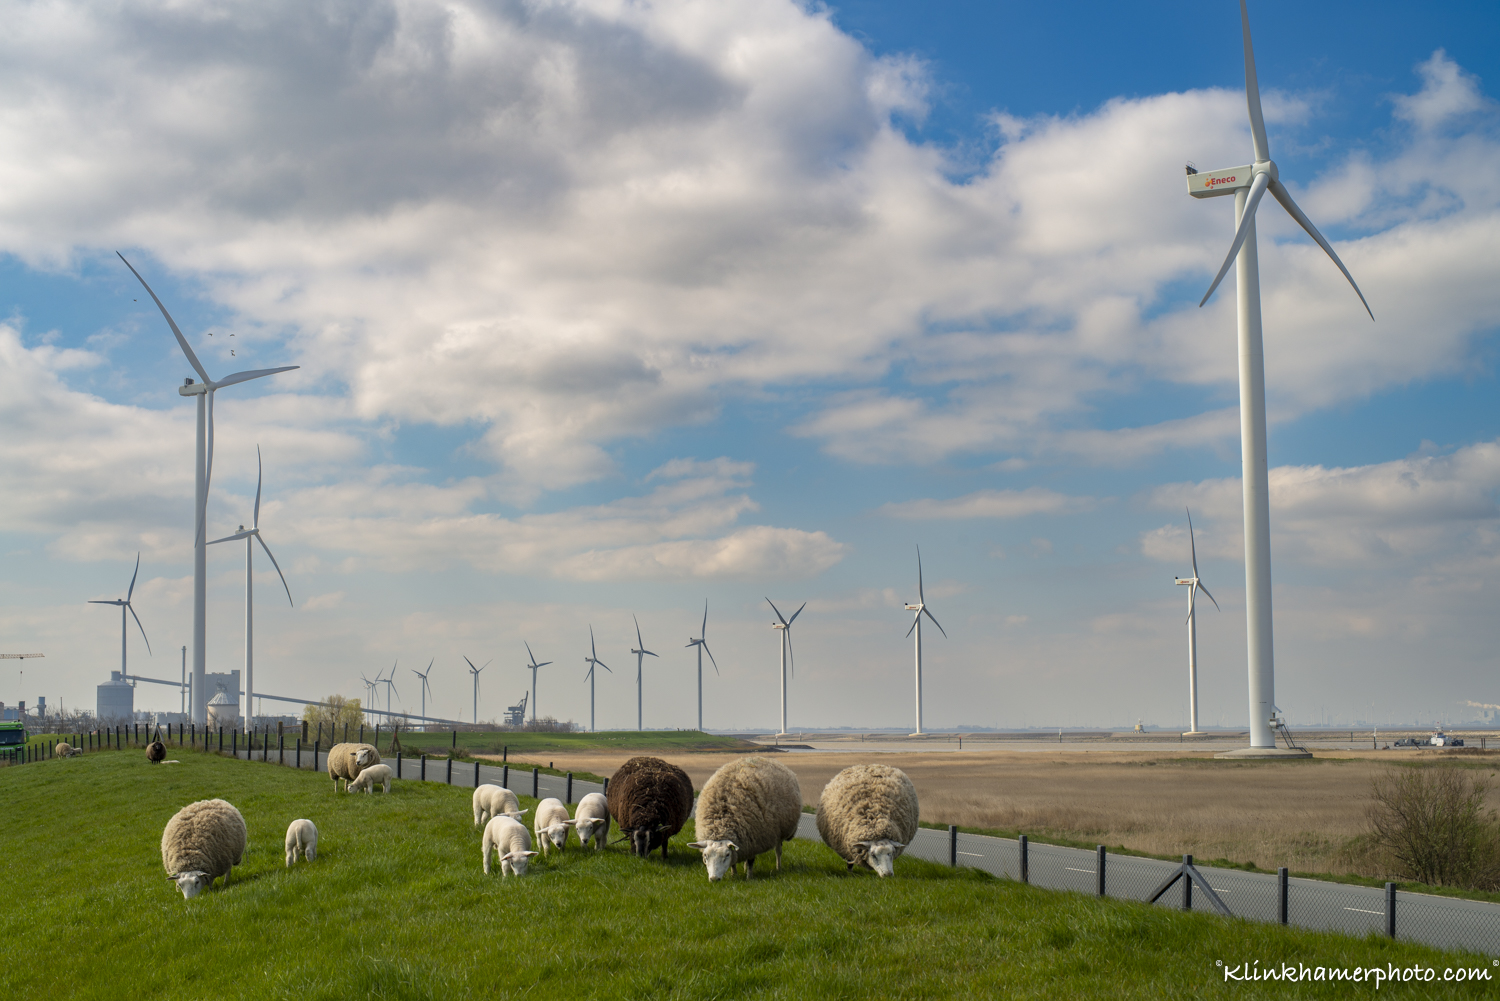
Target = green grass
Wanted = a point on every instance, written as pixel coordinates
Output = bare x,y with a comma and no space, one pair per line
397,906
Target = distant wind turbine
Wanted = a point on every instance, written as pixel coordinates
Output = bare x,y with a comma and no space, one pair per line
204,391
250,537
370,687
390,686
534,666
640,658
702,644
475,672
425,688
1194,585
785,625
593,661
1248,184
916,626
125,606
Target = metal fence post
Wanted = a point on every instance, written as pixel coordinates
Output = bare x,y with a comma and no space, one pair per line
536,778
953,845
1187,885
234,743
398,764
1284,887
569,800
1390,910
424,767
1099,850
299,754
450,771
505,776
1025,862
606,785
476,775
280,749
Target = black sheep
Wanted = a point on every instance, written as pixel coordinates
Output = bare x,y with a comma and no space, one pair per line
155,751
650,799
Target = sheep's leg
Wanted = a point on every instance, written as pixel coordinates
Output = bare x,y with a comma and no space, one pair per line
848,866
749,865
664,849
778,856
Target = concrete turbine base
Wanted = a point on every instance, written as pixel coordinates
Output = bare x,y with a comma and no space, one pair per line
1195,733
1265,752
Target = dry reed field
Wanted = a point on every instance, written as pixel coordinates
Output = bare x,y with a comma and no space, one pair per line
1296,814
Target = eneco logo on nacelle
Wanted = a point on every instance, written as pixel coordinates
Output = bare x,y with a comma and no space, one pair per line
1215,181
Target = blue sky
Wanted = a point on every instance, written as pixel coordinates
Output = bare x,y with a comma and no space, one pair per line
608,309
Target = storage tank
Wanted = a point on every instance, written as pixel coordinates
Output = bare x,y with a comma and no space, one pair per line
115,699
224,710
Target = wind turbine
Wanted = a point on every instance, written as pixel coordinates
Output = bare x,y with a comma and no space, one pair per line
916,626
125,605
370,687
785,625
204,391
1248,184
1194,586
534,665
253,536
702,644
425,689
475,672
593,661
640,659
390,686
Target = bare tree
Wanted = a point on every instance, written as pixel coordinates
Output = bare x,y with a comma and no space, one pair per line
1433,823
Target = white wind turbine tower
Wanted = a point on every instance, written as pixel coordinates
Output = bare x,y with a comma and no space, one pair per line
475,672
1248,184
426,688
250,537
125,605
640,658
593,661
1194,585
916,627
204,391
390,686
370,687
534,666
701,642
785,625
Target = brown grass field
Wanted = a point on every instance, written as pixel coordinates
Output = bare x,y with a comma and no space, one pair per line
1296,814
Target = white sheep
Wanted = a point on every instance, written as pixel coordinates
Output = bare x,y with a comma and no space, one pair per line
367,777
748,807
65,750
495,801
202,841
510,842
868,814
592,819
301,838
346,761
552,823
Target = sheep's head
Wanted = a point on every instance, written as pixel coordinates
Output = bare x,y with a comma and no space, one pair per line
587,829
718,856
191,883
363,758
515,861
878,855
557,834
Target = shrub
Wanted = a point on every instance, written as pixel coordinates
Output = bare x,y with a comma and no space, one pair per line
1433,826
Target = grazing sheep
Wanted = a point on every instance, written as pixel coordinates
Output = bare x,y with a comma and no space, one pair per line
367,778
202,842
65,749
510,842
552,824
495,801
868,814
346,761
650,799
592,819
156,751
301,837
748,807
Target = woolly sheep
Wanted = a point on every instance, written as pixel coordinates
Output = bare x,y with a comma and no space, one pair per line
367,779
748,807
650,799
65,749
507,837
345,761
492,801
868,814
592,819
552,823
202,842
155,751
301,837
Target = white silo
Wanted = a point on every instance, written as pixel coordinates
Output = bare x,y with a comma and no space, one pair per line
115,699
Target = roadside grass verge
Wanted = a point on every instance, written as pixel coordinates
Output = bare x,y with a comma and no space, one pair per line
396,906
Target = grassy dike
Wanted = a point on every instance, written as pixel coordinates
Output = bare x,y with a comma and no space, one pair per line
397,906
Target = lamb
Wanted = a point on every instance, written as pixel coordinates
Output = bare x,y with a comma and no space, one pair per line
650,799
552,824
592,819
748,807
155,751
301,837
367,778
346,761
868,814
510,842
492,801
202,842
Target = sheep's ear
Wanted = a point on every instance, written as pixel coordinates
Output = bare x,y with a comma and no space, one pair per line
172,876
734,846
570,823
697,844
529,854
898,844
864,844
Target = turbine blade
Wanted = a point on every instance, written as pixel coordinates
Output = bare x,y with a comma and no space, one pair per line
544,663
605,666
795,614
114,602
181,341
1252,93
142,628
1285,198
935,622
710,656
1192,603
131,590
1211,598
638,641
208,472
914,620
254,373
471,666
259,475
777,611
1192,546
284,584
704,631
791,660
233,538
1257,189
921,597
648,653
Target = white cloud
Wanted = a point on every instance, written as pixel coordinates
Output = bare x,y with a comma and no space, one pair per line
991,504
1447,93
